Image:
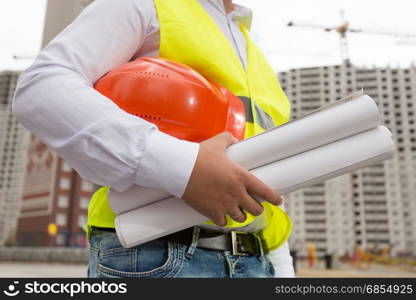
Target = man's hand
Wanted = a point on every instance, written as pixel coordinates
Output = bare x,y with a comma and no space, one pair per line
219,187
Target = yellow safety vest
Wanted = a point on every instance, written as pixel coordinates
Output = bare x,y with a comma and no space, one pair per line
190,36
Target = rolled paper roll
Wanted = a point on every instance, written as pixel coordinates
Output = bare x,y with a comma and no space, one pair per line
286,175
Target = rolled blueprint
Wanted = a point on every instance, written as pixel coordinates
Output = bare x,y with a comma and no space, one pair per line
331,123
286,175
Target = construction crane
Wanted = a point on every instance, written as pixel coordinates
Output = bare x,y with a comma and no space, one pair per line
344,29
23,57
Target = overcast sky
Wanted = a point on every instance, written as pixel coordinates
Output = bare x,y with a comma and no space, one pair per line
21,25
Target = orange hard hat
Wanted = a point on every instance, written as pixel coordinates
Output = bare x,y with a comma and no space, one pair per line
177,99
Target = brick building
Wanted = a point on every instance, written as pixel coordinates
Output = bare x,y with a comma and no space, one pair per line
53,194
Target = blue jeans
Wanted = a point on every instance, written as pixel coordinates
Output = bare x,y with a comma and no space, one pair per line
165,259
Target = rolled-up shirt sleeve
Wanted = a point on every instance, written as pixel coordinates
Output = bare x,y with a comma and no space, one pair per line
56,100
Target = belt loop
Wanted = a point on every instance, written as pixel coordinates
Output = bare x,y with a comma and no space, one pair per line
192,247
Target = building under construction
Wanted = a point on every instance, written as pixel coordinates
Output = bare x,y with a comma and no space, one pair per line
375,206
13,139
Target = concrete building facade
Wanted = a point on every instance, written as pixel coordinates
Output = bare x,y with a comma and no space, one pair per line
375,206
59,13
13,140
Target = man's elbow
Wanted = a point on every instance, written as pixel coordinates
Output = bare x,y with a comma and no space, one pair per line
18,105
27,90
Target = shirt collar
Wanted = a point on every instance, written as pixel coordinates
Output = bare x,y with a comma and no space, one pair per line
241,14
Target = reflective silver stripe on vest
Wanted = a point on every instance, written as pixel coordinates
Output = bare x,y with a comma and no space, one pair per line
263,119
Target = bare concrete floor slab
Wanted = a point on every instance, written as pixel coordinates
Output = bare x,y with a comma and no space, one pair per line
41,270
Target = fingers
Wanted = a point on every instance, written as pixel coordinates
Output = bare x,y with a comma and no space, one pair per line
226,139
218,218
256,187
251,205
238,215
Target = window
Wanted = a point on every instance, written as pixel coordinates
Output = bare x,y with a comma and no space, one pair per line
63,201
66,167
82,220
64,183
61,219
87,186
83,202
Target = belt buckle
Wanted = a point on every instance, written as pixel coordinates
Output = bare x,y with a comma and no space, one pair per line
235,243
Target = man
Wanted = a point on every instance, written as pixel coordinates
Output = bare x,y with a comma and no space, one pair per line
55,99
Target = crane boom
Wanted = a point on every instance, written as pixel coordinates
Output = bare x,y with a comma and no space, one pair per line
344,29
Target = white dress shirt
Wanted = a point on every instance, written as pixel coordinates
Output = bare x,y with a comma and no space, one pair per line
55,98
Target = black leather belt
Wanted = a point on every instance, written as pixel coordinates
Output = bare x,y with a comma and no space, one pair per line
238,243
